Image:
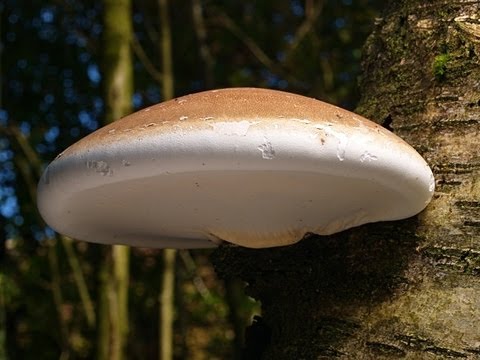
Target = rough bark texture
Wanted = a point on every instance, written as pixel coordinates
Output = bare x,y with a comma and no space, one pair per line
408,289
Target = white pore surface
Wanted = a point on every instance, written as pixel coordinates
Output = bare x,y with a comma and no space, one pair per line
252,185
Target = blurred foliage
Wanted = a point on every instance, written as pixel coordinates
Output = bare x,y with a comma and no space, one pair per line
51,96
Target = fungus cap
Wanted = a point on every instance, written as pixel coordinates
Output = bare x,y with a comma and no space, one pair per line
254,167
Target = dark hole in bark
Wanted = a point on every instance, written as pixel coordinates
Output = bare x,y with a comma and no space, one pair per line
257,339
387,123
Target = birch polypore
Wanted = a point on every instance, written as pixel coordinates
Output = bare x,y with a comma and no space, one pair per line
254,167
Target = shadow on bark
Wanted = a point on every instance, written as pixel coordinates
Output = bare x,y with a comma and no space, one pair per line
323,281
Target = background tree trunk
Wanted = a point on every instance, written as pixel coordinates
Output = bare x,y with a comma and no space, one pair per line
118,83
167,287
407,289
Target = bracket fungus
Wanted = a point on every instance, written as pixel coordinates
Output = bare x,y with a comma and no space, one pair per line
254,167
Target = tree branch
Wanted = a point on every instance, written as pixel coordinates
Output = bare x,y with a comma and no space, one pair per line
312,13
191,268
261,56
250,43
57,294
201,33
145,60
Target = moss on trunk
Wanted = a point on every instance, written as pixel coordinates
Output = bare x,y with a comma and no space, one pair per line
408,289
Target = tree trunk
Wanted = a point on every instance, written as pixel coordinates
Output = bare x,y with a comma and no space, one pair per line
118,83
167,288
408,289
166,305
